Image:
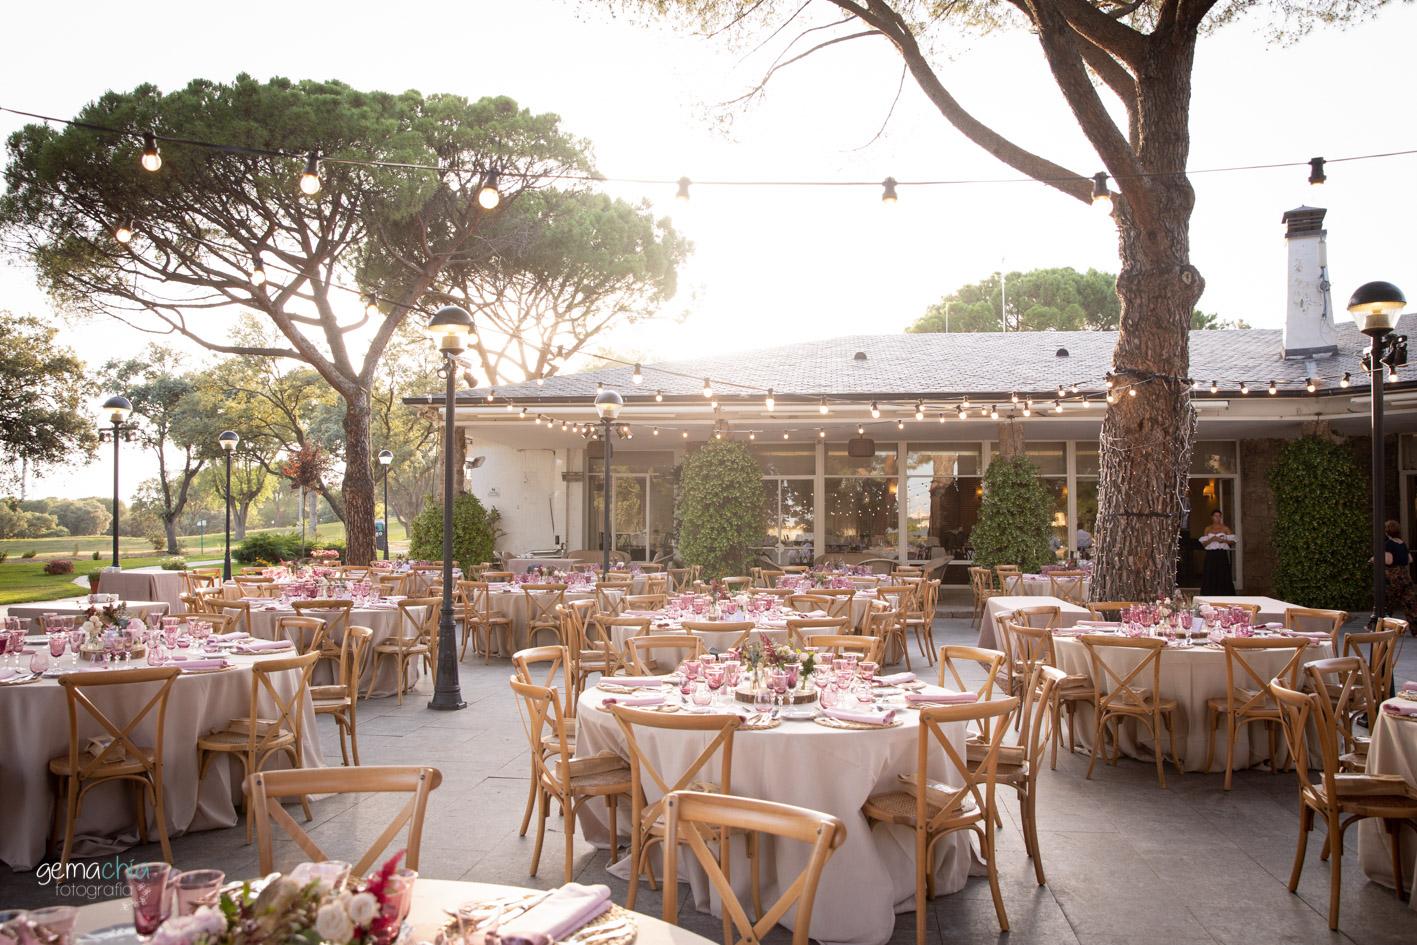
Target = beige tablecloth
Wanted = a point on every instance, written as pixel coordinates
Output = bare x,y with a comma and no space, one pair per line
996,607
872,875
77,606
384,621
1393,751
1271,610
1038,585
1190,675
144,584
34,727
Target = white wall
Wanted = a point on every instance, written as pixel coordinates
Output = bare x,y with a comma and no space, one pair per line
525,485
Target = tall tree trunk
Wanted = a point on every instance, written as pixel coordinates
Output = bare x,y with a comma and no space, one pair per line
238,517
169,525
1146,436
357,490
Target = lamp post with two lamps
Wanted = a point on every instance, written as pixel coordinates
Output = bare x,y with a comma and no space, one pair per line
386,457
118,408
228,440
451,329
607,405
1375,307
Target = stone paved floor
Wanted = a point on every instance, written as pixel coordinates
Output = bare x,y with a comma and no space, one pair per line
1126,861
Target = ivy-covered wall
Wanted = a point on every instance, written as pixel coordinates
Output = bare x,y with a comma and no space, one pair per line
1321,536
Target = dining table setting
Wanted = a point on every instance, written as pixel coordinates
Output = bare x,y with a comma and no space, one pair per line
1392,751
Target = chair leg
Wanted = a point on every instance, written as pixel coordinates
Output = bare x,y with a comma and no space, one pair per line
1212,719
994,876
530,800
140,808
612,801
1031,830
72,815
160,815
1335,870
354,730
543,804
569,828
1306,823
1394,829
1232,731
1099,729
922,866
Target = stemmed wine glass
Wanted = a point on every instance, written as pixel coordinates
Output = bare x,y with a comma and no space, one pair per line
714,676
777,679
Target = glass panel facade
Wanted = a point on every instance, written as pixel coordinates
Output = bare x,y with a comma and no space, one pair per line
1085,457
786,460
1212,457
789,532
931,459
943,489
862,515
883,463
1050,458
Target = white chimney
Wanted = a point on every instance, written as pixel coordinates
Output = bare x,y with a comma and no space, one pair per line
1308,316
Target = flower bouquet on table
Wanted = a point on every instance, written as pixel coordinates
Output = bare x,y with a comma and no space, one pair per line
326,555
295,910
109,628
782,669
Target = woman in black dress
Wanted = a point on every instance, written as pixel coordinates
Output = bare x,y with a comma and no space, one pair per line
1217,578
1398,559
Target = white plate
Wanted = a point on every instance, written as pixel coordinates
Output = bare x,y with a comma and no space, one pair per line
798,712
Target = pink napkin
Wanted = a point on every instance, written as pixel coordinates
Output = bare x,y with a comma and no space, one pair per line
265,646
192,666
230,637
1409,686
940,698
8,672
1308,634
895,680
633,701
564,911
635,682
1276,625
1405,709
861,717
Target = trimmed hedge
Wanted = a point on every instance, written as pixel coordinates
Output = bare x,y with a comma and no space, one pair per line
1321,526
720,508
275,547
1014,516
473,536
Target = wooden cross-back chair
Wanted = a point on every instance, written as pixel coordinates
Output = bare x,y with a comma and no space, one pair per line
1033,647
256,737
1043,617
640,649
1343,682
1004,570
656,583
813,603
690,816
902,599
868,647
390,583
480,622
981,586
1315,620
414,639
953,656
238,610
565,779
1119,698
122,759
921,619
721,635
642,602
542,610
307,633
799,628
1070,586
1109,609
341,699
737,583
1377,648
649,780
612,598
266,790
551,668
250,587
1011,585
590,648
1247,700
934,810
679,579
335,612
1340,799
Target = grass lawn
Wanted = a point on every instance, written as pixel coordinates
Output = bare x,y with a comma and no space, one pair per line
25,581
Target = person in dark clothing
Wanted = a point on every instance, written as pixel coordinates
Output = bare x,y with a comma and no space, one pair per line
1398,559
1217,578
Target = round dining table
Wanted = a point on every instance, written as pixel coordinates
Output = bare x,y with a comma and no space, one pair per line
104,923
77,607
1393,750
869,879
1191,675
34,727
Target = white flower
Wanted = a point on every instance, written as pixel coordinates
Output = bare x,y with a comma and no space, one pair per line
333,924
362,907
206,922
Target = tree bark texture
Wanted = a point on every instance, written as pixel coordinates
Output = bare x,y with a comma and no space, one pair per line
1010,434
357,490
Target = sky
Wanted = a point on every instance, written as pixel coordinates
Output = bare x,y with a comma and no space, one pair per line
774,265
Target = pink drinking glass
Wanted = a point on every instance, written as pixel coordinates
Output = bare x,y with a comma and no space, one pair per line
196,888
148,887
866,670
39,661
777,680
828,696
794,672
692,668
57,642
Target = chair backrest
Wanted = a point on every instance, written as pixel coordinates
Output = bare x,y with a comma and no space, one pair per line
981,582
239,610
1039,617
812,603
611,598
1109,609
643,601
551,663
351,657
1032,646
975,781
1315,619
1343,682
1120,687
990,661
679,579
1246,688
289,716
741,582
1252,609
651,783
692,815
551,744
641,650
902,597
601,626
252,587
1068,585
720,635
335,612
267,789
657,584
418,620
868,647
541,603
1378,648
390,582
307,633
121,729
1012,585
1300,711
497,576
799,627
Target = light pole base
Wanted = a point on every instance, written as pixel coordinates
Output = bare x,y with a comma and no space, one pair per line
446,704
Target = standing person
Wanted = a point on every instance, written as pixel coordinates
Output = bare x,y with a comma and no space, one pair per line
1217,578
1398,559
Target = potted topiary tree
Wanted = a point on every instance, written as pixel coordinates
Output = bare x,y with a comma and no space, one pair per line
1013,517
719,508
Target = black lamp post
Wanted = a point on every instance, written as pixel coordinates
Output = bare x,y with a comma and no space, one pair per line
452,331
386,457
1375,307
607,405
228,440
118,408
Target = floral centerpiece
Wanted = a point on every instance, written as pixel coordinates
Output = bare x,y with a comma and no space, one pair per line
288,911
763,658
108,628
324,554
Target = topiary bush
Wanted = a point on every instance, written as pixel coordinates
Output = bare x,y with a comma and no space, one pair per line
1014,517
59,566
472,532
176,563
719,508
1321,526
267,548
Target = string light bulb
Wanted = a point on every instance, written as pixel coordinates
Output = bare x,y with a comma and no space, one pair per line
993,412
1109,382
636,377
124,233
684,435
821,434
1392,372
708,390
490,395
860,430
523,413
1027,410
1316,171
1111,397
1311,385
888,195
784,434
683,193
900,424
1214,387
919,410
1273,388
1072,388
822,407
1060,390
1244,388
488,196
655,431
152,158
659,396
1057,406
310,180
875,411
963,414
371,306
1132,391
541,379
770,401
258,270
1346,380
942,416
1101,196
1013,397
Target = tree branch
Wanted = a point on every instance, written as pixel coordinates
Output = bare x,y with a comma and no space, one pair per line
1108,32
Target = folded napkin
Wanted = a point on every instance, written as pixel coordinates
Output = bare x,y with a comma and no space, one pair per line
861,716
1405,709
555,917
1276,625
640,613
1409,686
633,701
940,698
194,666
1098,623
265,646
230,637
895,680
8,672
1308,634
635,682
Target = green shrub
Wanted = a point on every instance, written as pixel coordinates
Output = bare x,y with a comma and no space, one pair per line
174,563
268,548
1321,526
3,556
1014,517
97,556
59,566
472,532
28,553
719,508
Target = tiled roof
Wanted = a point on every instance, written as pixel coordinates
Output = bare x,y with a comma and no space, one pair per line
943,365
